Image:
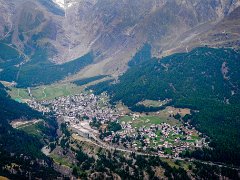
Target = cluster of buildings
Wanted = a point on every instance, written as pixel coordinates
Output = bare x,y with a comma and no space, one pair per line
84,106
81,109
38,106
162,138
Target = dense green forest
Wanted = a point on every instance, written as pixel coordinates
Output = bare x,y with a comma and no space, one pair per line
135,167
141,56
206,79
9,56
18,147
38,70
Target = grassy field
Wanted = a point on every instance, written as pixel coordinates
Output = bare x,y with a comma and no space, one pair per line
45,92
147,121
19,94
126,119
32,128
151,103
53,91
61,160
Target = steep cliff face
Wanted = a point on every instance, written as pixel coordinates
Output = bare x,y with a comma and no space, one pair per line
112,29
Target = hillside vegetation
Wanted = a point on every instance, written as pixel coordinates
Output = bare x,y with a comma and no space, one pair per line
39,70
205,79
17,148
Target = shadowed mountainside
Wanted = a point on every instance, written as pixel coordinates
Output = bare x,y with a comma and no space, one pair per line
114,30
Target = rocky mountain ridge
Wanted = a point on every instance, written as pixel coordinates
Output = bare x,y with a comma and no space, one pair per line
113,30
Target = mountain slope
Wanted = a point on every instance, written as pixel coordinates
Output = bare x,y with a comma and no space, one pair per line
224,33
19,149
113,30
121,27
205,79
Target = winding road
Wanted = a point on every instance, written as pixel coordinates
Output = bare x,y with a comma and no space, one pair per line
103,145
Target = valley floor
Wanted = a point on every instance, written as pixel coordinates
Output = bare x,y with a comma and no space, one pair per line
91,121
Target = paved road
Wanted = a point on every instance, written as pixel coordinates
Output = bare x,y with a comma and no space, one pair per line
101,144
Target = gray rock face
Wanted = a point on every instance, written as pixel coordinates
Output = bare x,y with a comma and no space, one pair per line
112,29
